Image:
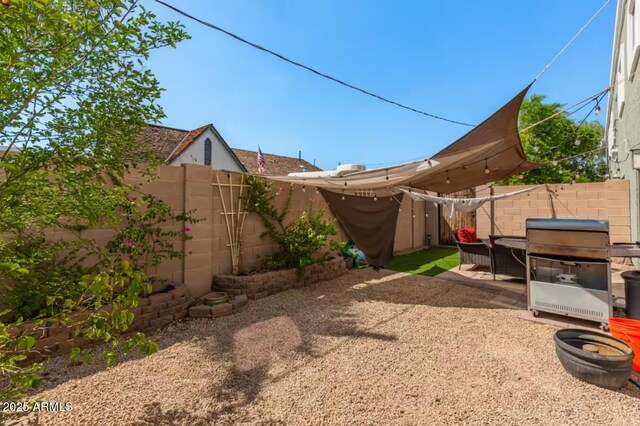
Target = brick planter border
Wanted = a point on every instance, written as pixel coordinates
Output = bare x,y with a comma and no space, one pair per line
153,312
260,285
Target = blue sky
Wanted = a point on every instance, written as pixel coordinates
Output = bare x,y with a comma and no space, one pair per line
459,59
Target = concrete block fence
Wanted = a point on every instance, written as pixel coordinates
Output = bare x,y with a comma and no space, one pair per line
193,187
598,200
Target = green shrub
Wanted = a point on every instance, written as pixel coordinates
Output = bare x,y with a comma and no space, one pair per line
39,276
301,242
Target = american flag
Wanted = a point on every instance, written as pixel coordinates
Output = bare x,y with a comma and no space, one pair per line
260,162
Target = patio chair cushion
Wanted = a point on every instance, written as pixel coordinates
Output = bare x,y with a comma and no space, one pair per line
467,235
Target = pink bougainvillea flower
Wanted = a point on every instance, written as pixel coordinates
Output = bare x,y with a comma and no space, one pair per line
134,199
282,189
129,244
186,229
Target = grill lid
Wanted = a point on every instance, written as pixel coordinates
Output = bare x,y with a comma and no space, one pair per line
569,225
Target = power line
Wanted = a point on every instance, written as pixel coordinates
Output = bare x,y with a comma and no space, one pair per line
300,65
597,100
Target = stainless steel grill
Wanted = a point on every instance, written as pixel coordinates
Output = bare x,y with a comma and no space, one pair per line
568,268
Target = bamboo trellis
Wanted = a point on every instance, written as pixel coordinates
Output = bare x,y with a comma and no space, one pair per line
234,219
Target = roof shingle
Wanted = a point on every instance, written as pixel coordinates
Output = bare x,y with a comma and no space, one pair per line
168,142
162,140
275,165
191,136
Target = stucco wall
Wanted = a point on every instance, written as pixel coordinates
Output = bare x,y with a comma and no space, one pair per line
221,159
603,200
627,123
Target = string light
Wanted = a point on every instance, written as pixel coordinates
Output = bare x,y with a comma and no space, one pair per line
520,176
486,166
448,180
343,193
317,190
577,140
375,197
304,188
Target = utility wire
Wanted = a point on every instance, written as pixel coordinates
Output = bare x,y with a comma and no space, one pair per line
597,100
298,64
570,42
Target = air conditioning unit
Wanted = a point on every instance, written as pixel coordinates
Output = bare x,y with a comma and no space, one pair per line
345,169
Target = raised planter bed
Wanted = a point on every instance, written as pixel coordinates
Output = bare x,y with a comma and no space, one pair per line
226,306
153,312
257,286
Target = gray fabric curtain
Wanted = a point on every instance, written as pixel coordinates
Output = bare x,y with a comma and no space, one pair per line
369,223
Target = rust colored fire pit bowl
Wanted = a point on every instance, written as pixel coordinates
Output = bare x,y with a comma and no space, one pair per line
594,358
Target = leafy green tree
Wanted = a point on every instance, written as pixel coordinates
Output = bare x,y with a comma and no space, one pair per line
572,151
74,93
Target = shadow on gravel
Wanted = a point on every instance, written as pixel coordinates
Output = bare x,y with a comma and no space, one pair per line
155,415
296,326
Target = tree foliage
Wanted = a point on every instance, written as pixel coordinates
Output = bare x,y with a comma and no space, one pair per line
554,141
74,94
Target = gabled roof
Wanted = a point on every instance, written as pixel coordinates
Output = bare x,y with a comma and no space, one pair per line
168,143
186,141
162,140
275,165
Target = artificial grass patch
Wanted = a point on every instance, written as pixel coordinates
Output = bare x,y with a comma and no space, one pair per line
429,262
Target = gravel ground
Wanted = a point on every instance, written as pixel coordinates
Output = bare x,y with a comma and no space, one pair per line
368,348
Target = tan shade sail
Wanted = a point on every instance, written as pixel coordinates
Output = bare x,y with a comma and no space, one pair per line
493,144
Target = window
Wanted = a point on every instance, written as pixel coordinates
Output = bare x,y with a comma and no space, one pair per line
207,152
